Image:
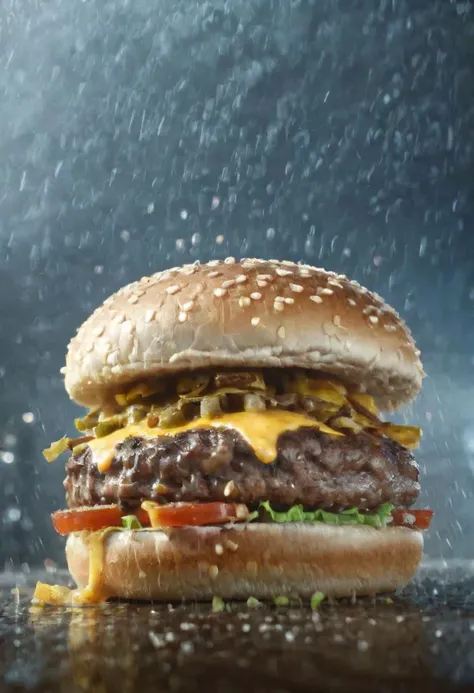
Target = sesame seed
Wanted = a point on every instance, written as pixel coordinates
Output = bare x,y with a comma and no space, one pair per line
89,348
139,292
256,296
231,545
283,272
182,317
220,292
316,299
133,299
244,301
297,288
219,549
279,299
214,274
189,305
261,283
213,263
99,331
149,315
370,309
120,317
390,328
112,358
241,279
337,320
288,263
351,302
213,571
289,300
327,292
281,332
373,319
304,272
255,321
171,290
264,277
279,307
230,261
228,283
230,488
333,282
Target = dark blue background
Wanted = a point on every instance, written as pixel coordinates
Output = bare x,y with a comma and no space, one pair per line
139,135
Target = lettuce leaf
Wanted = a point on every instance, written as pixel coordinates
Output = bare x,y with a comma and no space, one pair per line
316,600
131,522
351,516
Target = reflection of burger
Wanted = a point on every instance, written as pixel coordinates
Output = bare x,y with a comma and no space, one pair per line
233,445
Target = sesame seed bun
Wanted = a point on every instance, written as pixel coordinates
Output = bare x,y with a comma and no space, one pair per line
252,313
259,560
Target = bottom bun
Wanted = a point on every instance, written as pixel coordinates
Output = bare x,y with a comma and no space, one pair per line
259,560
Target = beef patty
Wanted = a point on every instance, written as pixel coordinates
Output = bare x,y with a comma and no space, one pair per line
311,468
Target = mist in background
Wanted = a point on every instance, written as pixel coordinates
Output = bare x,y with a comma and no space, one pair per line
140,135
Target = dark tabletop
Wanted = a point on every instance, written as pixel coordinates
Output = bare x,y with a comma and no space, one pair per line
420,640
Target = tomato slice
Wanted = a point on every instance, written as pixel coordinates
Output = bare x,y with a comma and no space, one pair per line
97,517
171,515
415,519
189,514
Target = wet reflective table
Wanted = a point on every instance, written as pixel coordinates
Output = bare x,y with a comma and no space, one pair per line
420,640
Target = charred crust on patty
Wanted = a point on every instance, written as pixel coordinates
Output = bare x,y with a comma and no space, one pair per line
311,468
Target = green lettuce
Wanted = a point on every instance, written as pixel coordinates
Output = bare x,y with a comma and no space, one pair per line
351,516
131,522
316,600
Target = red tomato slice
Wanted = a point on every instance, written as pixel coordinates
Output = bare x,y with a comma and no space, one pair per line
97,517
415,519
189,514
171,515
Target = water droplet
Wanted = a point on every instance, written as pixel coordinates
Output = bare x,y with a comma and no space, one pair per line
7,457
12,514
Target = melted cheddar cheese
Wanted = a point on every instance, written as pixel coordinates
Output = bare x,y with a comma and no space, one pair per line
94,592
260,430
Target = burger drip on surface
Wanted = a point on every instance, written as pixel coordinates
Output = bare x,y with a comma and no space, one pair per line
233,444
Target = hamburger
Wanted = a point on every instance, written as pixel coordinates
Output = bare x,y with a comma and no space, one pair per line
233,444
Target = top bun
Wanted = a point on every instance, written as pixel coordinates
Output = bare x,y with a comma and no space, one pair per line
252,313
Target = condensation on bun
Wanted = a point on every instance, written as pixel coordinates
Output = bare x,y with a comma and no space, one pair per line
259,560
251,313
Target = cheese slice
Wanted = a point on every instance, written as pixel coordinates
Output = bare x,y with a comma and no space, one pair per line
260,430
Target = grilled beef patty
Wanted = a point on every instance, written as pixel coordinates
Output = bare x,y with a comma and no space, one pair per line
311,468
